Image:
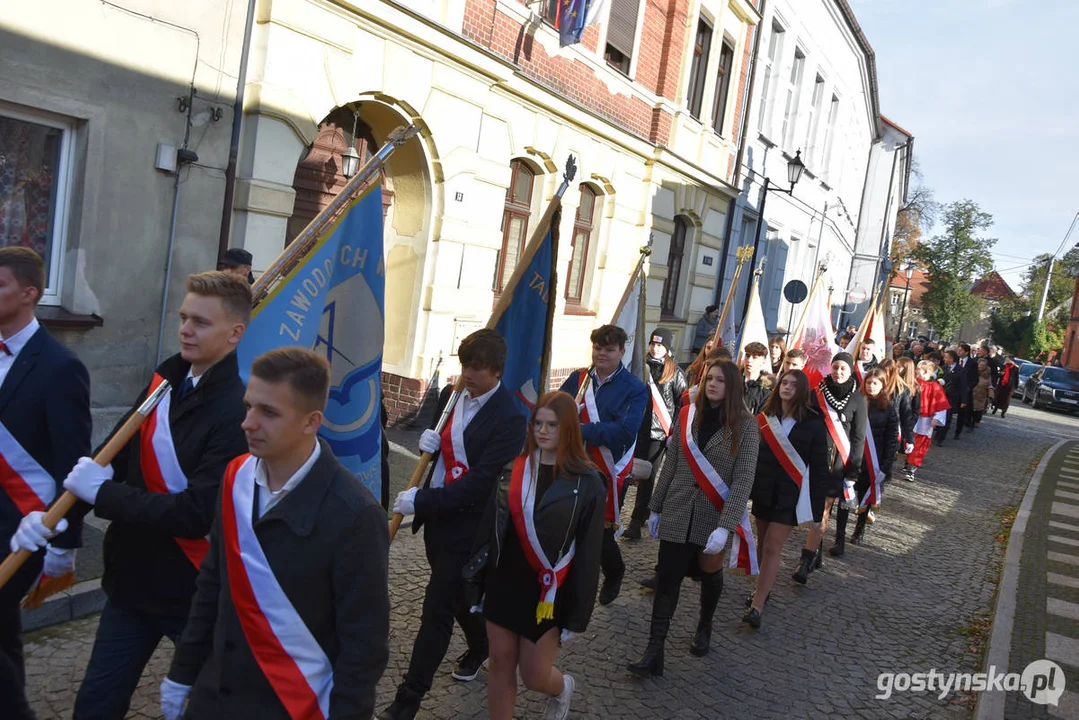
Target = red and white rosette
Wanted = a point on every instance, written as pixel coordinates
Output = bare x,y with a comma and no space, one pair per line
452,456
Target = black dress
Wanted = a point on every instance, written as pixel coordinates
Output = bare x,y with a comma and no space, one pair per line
513,588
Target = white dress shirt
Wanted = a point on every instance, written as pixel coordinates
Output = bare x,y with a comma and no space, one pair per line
14,344
787,424
268,498
471,406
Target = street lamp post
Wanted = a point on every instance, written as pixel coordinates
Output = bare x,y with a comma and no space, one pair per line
794,174
909,272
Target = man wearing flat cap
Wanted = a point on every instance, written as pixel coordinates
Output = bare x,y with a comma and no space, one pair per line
237,261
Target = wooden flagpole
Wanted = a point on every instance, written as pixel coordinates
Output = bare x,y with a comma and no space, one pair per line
742,254
62,505
503,303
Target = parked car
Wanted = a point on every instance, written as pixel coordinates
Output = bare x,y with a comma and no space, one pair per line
1053,387
1026,369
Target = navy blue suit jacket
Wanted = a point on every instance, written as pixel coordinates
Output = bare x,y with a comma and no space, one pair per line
45,405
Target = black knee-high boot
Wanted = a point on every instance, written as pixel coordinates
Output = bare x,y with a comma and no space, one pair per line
711,589
650,663
859,529
840,546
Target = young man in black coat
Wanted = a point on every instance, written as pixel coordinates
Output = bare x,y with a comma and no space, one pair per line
160,493
44,428
969,365
957,392
292,614
488,427
758,382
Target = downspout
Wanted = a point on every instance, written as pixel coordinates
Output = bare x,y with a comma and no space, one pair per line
747,96
234,145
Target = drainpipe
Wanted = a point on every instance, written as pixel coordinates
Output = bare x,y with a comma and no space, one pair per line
234,146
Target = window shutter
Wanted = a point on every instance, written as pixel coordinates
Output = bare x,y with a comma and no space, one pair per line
622,25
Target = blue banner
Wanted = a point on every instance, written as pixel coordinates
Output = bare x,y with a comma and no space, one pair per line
333,303
524,326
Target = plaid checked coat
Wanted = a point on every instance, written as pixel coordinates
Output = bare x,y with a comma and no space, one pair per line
688,515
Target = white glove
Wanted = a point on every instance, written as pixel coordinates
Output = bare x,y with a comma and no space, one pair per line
59,561
173,697
477,609
86,478
566,636
908,448
32,534
653,524
717,541
405,502
430,442
642,469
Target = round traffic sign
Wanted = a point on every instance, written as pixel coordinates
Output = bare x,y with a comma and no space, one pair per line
795,291
858,295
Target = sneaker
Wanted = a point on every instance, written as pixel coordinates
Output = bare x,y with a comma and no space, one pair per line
468,665
558,707
870,517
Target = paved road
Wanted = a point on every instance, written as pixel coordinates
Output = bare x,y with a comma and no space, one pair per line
903,602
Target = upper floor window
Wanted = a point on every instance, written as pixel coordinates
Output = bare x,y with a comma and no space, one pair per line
35,168
794,87
812,126
548,10
698,67
768,87
621,34
675,255
515,216
583,224
723,85
829,134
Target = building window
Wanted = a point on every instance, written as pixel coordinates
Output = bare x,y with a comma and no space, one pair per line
768,87
723,85
814,121
829,134
701,44
548,10
674,268
35,167
515,216
621,33
790,112
582,232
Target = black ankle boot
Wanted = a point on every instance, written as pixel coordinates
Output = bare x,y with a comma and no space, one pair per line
801,576
404,707
651,662
818,557
711,589
859,529
840,546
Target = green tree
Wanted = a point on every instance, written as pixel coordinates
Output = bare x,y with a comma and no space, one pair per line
1010,323
953,260
1041,338
915,217
1062,286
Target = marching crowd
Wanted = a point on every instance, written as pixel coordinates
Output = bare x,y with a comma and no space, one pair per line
235,532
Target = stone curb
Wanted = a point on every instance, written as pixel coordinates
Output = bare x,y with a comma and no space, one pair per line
991,703
85,598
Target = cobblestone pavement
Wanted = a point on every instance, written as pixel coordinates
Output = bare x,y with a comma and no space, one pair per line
900,603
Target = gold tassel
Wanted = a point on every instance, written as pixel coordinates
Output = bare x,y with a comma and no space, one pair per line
544,611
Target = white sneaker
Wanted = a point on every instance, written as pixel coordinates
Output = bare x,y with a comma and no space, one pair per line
558,707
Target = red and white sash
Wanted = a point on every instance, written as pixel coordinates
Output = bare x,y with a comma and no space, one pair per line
28,485
659,407
790,461
292,660
690,395
616,472
522,509
872,496
859,372
835,427
743,549
161,469
454,462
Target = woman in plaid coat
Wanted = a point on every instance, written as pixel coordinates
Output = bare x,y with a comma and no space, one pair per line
720,438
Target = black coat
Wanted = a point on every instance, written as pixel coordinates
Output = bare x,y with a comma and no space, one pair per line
884,424
971,371
908,408
773,487
45,405
853,421
757,392
671,392
570,511
955,387
327,543
493,438
145,569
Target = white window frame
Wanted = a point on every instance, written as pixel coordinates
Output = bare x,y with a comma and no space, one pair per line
813,126
829,137
771,73
794,96
62,209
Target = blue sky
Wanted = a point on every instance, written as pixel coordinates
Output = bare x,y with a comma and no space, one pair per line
990,90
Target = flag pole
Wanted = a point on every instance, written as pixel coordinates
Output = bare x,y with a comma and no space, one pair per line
859,338
800,327
67,500
303,243
523,262
548,324
742,254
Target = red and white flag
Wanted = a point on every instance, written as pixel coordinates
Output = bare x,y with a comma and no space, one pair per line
816,338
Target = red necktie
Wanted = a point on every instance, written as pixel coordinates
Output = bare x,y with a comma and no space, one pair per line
3,346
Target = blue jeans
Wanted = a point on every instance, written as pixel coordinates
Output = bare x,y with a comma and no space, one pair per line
125,641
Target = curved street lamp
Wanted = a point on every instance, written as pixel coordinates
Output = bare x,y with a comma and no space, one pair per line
909,272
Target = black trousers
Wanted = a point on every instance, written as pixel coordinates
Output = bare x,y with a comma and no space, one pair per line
610,556
13,704
965,420
653,451
443,602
